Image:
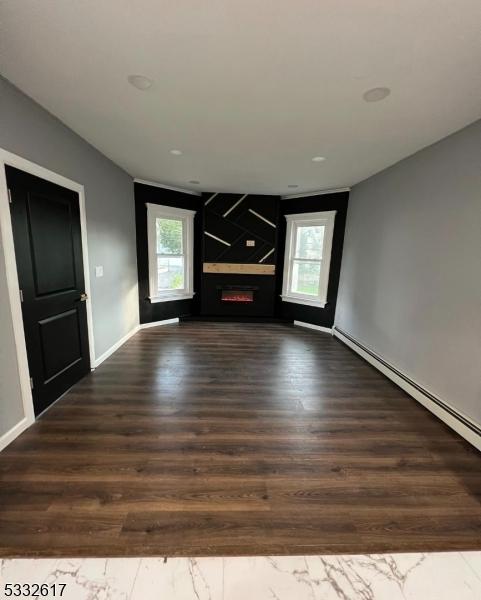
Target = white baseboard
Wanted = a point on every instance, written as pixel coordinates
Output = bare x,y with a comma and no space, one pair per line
157,323
14,432
115,347
311,326
462,424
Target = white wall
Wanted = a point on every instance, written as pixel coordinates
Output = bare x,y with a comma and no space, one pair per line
410,285
28,130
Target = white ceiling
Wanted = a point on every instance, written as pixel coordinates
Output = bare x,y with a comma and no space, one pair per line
249,90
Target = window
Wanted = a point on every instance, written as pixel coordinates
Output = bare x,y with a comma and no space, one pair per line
170,237
307,258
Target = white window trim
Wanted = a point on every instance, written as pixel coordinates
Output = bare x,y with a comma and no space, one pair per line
155,211
325,218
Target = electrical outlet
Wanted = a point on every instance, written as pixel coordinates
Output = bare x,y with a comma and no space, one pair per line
99,271
250,243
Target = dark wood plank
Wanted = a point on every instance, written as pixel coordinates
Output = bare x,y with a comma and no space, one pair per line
237,439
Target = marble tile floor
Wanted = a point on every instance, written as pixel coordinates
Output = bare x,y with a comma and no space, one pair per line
432,576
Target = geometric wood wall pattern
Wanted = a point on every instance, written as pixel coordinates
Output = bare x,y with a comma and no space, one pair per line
231,220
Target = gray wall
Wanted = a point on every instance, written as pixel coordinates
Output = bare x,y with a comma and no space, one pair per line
28,130
11,407
411,274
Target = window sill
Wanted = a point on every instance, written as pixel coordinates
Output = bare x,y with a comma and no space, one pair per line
170,298
306,301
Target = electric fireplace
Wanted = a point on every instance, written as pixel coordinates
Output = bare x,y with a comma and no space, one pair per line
233,295
237,293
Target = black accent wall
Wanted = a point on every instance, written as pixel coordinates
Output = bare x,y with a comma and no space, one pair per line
230,218
298,312
235,219
154,195
239,225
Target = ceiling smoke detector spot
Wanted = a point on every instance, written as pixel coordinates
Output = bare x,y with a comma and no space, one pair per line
376,94
176,152
140,82
318,159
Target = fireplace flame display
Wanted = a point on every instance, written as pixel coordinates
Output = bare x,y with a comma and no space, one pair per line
237,296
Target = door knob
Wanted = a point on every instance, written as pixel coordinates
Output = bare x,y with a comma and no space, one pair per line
83,297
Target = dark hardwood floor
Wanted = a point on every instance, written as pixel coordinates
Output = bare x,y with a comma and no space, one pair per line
229,439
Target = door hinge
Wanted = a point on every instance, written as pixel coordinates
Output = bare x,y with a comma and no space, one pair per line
9,195
21,295
31,383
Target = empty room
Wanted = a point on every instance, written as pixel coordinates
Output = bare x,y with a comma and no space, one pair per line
240,299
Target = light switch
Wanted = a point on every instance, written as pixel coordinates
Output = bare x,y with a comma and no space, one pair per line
250,242
99,271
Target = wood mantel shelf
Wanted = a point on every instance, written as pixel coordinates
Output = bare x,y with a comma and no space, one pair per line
239,268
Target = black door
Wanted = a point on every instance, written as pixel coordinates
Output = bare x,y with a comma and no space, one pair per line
48,250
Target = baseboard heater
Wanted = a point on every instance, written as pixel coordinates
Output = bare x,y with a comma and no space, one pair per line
461,424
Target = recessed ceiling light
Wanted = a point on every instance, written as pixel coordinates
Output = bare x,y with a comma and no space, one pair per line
318,159
292,185
176,152
376,94
140,82
194,182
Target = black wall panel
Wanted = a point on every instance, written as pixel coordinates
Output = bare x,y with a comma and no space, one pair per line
235,219
154,195
299,312
264,296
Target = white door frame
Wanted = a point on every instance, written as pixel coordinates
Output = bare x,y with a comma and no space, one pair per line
6,232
